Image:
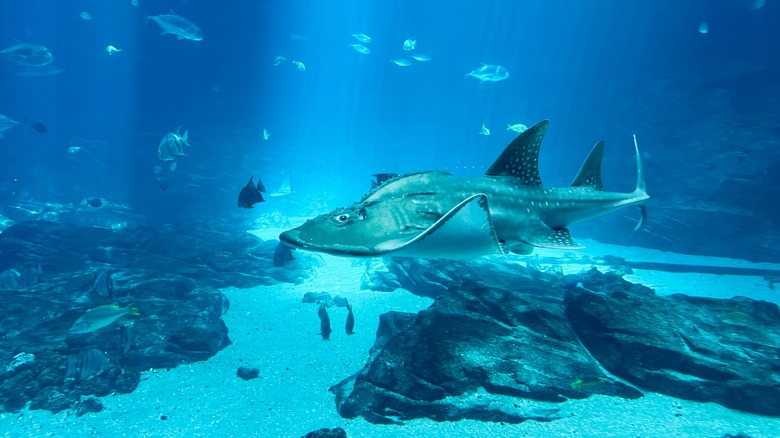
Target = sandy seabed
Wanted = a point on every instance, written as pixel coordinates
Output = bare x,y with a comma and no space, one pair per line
273,331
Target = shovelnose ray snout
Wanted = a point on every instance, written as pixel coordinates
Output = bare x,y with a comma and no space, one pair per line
433,214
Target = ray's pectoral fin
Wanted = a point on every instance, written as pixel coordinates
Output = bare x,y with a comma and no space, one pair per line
464,231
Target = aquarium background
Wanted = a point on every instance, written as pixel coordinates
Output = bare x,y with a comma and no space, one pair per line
705,107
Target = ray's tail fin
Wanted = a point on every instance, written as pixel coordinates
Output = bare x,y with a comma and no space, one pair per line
640,186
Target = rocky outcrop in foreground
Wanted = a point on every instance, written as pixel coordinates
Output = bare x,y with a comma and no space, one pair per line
507,343
53,273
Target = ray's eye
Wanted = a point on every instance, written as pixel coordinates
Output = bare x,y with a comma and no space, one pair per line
343,217
362,214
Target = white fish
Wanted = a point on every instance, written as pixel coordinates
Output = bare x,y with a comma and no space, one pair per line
28,54
102,316
85,15
361,48
6,123
490,73
134,2
410,44
172,167
299,65
485,130
172,145
266,135
403,62
517,127
111,49
183,28
363,38
421,57
704,28
278,60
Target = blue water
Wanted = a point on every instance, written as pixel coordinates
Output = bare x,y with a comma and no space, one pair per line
585,67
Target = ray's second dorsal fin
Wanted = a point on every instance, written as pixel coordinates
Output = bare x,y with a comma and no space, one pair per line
521,158
590,172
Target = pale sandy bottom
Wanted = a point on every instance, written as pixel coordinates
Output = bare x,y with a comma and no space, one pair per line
273,331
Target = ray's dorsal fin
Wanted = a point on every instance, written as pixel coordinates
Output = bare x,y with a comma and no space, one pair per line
590,172
521,158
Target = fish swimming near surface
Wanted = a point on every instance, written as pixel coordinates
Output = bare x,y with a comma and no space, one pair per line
350,325
401,62
517,127
179,26
251,193
172,145
101,316
325,329
489,73
362,37
6,123
433,214
360,48
32,55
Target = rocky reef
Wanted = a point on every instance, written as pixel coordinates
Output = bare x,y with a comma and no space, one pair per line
52,273
503,342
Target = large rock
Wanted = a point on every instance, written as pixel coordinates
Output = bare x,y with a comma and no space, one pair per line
478,352
704,349
504,345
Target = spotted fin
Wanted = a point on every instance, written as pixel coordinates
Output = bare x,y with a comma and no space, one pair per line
521,158
464,231
590,172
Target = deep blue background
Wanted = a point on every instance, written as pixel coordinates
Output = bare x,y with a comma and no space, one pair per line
587,66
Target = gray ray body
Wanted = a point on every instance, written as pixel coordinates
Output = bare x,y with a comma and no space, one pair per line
436,215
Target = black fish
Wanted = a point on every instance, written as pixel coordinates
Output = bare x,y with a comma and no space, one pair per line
282,255
350,320
250,194
125,339
39,127
162,182
324,322
95,202
104,285
379,178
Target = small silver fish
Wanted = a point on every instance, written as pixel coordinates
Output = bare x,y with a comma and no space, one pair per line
85,15
485,130
489,73
421,57
360,48
363,38
266,135
111,50
403,62
299,65
410,44
517,127
173,24
172,145
278,60
103,284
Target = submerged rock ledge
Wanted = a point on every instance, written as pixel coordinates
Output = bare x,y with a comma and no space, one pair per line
508,343
171,276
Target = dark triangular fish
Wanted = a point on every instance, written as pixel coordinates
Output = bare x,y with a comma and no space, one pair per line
125,339
85,364
350,321
379,178
39,127
282,255
250,194
324,322
103,284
